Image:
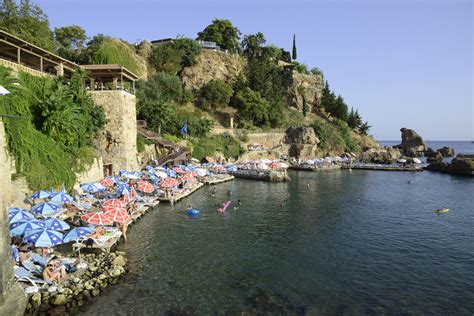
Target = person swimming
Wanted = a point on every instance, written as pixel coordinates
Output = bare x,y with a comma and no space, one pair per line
229,192
238,205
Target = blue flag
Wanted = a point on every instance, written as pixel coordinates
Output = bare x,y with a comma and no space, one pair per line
184,129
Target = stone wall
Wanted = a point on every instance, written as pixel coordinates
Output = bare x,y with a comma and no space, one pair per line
16,68
12,299
117,143
93,173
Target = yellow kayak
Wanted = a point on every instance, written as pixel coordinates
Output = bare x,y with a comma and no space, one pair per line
442,210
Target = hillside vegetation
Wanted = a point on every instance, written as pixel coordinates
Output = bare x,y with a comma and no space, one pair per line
261,86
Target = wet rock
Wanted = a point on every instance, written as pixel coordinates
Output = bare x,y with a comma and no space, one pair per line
88,285
59,300
95,292
430,153
446,151
119,261
462,165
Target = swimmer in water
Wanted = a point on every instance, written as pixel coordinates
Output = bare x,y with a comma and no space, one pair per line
189,207
238,205
229,192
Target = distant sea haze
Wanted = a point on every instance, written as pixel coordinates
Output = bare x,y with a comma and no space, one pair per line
460,147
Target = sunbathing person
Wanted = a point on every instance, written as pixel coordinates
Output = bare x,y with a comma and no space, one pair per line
99,231
58,267
50,274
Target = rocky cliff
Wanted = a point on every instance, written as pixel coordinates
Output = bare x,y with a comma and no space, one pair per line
307,87
212,65
412,144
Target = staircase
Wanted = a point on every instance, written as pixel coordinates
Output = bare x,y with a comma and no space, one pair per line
175,149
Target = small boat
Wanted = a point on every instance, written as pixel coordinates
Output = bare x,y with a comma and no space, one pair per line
194,212
442,210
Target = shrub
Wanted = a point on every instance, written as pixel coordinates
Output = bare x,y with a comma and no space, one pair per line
208,146
252,107
299,67
172,57
114,51
223,33
215,94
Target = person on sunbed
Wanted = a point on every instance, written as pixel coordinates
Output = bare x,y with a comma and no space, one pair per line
58,267
99,231
50,274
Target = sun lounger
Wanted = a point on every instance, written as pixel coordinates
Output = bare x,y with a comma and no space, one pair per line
23,275
31,267
104,243
43,261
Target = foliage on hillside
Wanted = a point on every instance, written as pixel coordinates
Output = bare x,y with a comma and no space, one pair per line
172,57
223,33
27,21
224,143
51,141
115,51
335,137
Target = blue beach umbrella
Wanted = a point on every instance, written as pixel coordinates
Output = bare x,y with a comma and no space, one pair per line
76,233
130,176
123,189
21,227
92,187
56,224
18,214
43,237
150,169
42,194
61,198
46,208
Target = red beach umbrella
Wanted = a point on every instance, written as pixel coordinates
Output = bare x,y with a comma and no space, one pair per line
114,202
126,198
107,182
187,177
146,187
98,218
118,215
169,183
178,170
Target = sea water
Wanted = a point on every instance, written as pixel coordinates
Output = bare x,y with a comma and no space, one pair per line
341,242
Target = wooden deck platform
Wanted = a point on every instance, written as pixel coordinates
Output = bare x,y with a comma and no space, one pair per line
211,181
180,195
314,169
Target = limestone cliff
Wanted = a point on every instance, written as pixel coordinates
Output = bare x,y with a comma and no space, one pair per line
212,65
305,86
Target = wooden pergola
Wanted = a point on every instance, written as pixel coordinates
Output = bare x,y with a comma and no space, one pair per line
110,77
18,51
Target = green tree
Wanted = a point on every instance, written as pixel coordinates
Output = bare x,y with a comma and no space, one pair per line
172,57
364,128
354,120
223,33
155,100
317,72
71,41
216,94
27,21
105,50
253,43
252,107
294,55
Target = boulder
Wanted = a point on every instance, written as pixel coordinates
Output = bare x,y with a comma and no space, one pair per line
301,135
59,300
446,151
462,165
385,155
119,261
431,153
412,144
438,166
435,158
36,300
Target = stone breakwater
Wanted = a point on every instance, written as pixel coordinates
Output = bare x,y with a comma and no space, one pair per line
102,270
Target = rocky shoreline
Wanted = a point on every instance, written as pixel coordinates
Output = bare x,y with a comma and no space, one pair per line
102,270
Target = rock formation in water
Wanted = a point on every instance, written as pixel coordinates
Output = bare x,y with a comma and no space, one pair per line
385,155
446,151
301,142
412,144
462,165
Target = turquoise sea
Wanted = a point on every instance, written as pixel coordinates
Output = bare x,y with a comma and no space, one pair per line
342,242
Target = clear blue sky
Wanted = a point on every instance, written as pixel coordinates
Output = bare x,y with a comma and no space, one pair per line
404,63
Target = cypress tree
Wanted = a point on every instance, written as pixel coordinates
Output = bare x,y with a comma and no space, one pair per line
294,47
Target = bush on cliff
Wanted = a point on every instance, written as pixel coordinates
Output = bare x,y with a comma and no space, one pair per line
223,33
172,57
51,141
335,137
215,94
113,51
224,143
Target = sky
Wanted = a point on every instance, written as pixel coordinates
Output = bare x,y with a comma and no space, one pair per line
405,63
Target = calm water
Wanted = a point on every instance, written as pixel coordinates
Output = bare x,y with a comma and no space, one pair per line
352,243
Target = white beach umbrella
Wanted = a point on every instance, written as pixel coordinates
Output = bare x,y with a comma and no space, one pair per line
416,160
3,91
